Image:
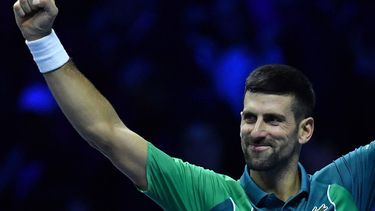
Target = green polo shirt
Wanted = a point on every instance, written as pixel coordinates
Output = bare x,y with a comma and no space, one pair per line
348,183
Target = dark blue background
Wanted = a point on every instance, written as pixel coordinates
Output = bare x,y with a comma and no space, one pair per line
175,71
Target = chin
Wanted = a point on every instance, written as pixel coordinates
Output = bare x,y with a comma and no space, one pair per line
260,165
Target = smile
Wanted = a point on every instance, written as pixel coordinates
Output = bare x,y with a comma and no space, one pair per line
259,148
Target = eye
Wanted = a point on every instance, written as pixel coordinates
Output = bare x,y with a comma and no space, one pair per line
249,118
273,120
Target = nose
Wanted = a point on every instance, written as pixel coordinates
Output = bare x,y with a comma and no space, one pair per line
259,130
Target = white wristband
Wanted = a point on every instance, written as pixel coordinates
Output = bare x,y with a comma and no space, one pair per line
48,52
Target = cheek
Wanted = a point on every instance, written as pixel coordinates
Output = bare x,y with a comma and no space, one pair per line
244,129
243,145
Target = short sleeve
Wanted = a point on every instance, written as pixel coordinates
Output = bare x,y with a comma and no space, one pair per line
356,172
178,185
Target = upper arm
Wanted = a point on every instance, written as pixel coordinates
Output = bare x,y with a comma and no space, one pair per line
126,149
357,170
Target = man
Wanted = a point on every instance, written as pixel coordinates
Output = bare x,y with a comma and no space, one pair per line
276,122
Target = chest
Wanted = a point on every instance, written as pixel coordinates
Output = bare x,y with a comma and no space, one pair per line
320,198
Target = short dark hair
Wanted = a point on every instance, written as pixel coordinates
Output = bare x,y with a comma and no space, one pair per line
283,80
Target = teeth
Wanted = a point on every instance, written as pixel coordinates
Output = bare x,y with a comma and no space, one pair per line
259,147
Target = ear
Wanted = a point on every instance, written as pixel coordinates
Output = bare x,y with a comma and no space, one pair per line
305,130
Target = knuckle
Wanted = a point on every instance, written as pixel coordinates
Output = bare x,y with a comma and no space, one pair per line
16,6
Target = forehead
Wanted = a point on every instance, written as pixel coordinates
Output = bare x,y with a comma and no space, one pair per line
268,103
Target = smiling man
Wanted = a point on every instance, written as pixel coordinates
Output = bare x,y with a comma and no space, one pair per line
275,122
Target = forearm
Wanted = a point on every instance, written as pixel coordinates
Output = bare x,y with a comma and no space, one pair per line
97,122
87,110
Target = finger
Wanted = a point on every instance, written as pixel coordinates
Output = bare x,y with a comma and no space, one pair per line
31,5
48,5
25,6
18,11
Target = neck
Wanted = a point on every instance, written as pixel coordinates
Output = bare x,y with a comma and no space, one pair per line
284,182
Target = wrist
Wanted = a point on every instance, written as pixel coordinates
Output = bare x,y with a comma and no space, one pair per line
35,36
48,52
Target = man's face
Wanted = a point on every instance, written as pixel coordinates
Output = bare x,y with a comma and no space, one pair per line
269,132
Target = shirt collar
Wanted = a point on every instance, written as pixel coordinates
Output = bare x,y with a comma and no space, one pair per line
256,194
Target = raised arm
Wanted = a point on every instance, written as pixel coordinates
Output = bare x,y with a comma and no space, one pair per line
88,111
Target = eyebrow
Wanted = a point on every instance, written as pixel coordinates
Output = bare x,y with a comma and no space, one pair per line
280,116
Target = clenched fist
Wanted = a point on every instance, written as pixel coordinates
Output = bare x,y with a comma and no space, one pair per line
35,17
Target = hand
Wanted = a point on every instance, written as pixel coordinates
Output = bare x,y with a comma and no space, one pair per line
35,17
